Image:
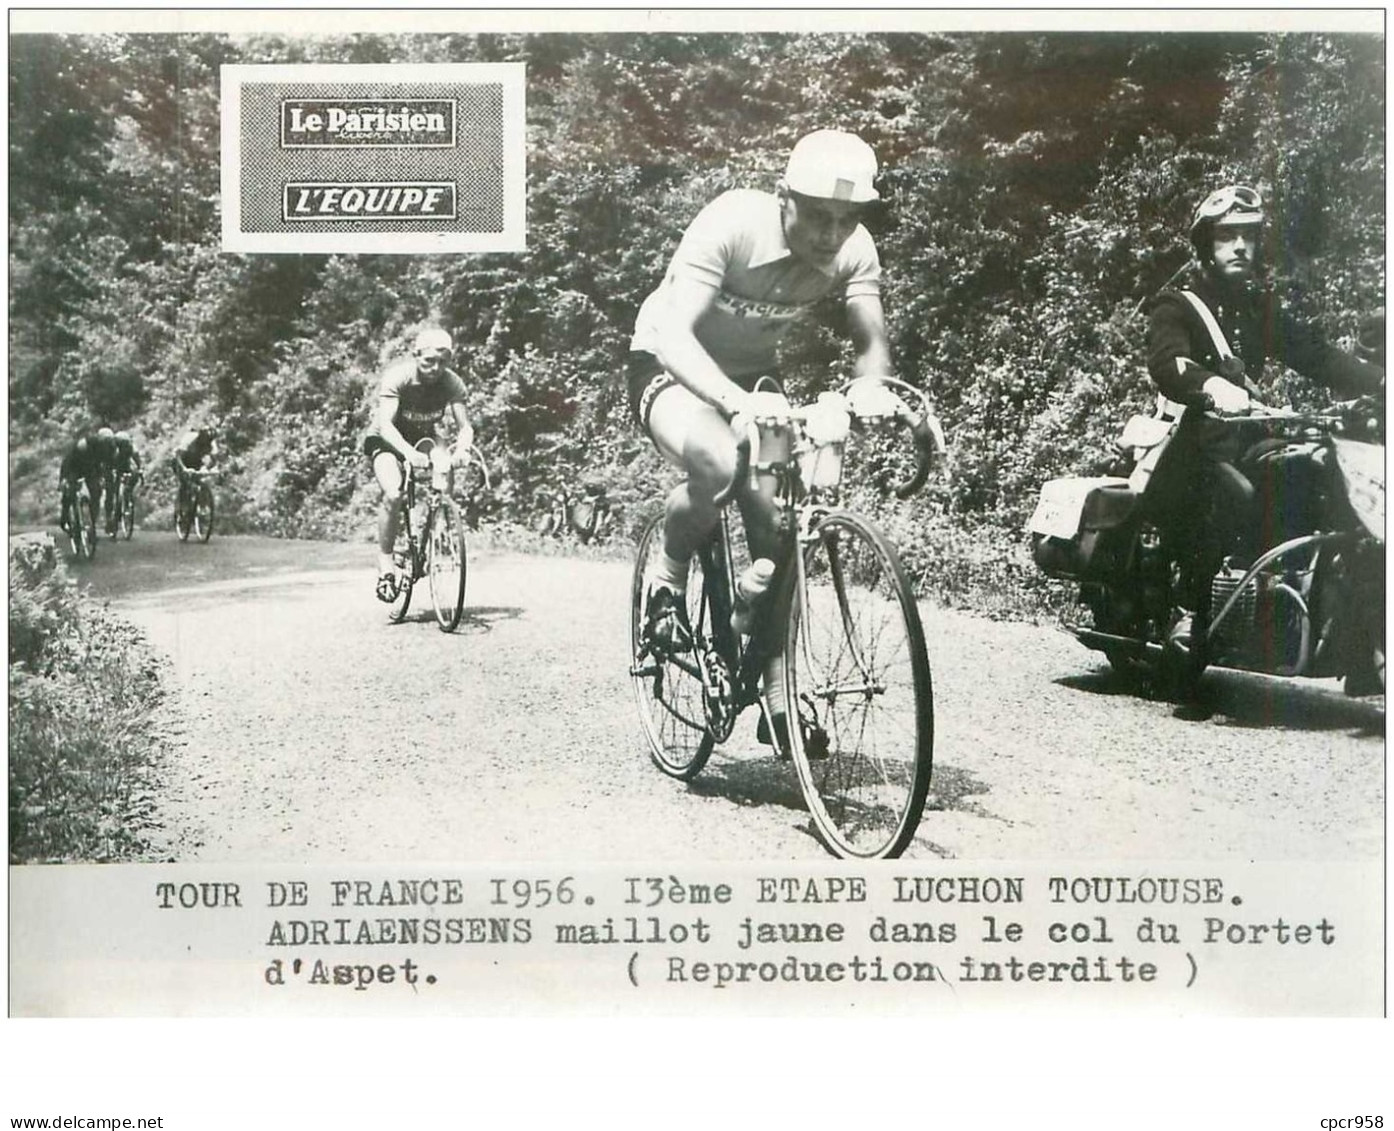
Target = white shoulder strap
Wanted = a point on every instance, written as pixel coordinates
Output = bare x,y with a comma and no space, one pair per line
1217,337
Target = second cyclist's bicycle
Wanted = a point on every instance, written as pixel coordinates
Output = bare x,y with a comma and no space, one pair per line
859,721
193,509
431,537
125,517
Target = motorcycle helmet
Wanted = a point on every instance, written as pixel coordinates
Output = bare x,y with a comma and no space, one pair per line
1231,205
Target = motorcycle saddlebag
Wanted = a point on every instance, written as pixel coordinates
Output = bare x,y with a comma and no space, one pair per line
1073,517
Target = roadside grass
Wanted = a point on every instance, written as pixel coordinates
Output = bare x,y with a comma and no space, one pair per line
84,744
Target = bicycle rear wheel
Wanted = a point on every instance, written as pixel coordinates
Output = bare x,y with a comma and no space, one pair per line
128,511
203,512
445,564
667,678
856,667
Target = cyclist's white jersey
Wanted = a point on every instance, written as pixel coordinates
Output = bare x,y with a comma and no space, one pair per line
736,244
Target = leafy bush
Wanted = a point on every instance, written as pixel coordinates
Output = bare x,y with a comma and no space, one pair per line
1037,191
84,741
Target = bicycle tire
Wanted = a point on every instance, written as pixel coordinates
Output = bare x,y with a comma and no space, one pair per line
667,691
128,511
203,512
75,535
87,520
183,514
856,666
404,560
445,564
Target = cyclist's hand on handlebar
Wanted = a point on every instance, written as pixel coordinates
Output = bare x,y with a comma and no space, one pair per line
868,397
418,458
1227,399
740,410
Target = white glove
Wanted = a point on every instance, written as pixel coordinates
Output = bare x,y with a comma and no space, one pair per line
1228,398
868,397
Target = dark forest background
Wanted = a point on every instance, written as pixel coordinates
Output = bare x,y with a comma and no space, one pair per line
1038,189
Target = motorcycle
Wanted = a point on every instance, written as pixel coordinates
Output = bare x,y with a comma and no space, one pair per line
1308,601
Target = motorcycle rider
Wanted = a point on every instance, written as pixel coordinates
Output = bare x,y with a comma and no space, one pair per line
1208,341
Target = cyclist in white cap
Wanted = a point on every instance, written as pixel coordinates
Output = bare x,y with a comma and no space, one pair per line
413,397
1209,339
749,265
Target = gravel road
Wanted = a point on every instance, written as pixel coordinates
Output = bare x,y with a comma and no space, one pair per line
312,730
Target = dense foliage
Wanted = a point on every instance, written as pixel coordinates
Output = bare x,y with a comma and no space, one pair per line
1037,190
85,688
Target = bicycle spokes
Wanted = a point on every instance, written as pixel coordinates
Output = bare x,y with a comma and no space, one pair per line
858,671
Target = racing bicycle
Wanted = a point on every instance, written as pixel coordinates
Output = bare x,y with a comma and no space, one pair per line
431,537
840,610
193,510
125,518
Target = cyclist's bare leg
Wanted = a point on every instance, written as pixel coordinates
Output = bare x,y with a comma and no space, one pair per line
694,436
388,469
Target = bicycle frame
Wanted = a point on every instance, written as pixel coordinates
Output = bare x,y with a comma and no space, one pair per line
436,482
797,509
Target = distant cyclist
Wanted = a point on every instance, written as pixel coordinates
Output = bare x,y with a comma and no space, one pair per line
413,397
748,267
85,461
196,450
125,460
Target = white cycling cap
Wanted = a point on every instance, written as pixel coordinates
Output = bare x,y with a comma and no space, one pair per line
832,165
433,338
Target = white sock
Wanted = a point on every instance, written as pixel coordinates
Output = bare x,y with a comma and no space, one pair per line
774,686
385,564
671,573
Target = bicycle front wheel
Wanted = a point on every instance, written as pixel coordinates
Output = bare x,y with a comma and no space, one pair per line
87,520
183,514
128,511
666,675
203,513
856,668
76,535
445,564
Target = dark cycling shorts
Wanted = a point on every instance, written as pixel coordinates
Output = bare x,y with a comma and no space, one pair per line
373,444
646,378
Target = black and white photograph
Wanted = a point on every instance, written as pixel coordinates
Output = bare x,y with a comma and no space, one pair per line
734,513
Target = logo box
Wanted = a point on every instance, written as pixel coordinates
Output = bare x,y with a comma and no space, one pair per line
377,159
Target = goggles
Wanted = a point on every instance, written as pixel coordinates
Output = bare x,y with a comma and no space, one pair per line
1244,202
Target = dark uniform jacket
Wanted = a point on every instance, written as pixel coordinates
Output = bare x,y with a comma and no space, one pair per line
1181,355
